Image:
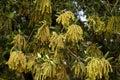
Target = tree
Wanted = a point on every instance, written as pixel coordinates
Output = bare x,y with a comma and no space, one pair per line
45,40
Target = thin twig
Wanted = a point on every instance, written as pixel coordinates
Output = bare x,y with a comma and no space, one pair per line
76,57
115,5
116,66
72,53
108,7
30,36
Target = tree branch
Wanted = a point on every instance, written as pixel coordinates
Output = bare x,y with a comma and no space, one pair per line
72,54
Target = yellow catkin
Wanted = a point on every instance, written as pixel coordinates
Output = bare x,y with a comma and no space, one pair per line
36,71
17,61
43,34
65,18
113,26
79,69
97,68
43,11
74,33
61,73
93,51
97,24
30,65
19,42
56,41
48,69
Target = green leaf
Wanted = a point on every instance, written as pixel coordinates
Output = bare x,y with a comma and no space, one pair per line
11,15
76,20
105,56
86,35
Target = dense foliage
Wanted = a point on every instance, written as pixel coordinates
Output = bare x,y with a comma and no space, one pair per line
48,40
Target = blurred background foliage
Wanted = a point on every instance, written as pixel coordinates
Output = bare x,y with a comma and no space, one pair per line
42,39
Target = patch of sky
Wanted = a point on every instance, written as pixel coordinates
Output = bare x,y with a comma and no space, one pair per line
81,16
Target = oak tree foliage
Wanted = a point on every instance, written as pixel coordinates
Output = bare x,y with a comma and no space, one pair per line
47,40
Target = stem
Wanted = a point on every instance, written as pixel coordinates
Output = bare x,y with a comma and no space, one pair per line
73,54
108,7
115,5
30,36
